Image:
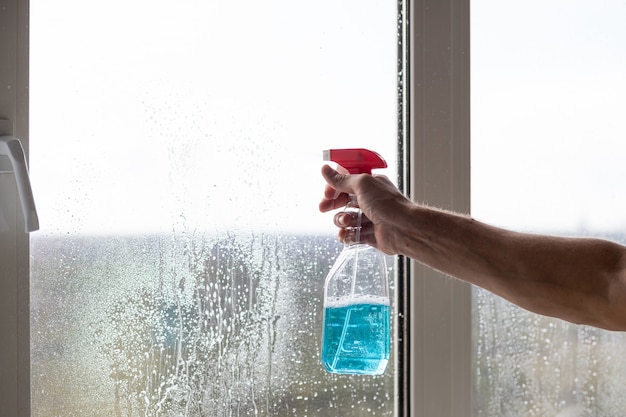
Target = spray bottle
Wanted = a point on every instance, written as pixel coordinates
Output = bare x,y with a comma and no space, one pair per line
356,329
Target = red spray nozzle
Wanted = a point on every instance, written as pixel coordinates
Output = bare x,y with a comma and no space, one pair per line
356,160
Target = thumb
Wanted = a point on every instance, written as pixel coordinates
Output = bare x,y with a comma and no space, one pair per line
337,181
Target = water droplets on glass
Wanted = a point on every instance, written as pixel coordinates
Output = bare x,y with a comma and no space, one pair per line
179,271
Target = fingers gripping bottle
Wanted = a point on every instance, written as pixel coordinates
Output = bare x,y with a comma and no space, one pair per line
356,329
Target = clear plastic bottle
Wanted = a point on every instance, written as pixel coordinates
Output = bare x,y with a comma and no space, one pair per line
356,330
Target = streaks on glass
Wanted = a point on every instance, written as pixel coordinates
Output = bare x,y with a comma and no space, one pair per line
189,325
530,365
205,320
180,270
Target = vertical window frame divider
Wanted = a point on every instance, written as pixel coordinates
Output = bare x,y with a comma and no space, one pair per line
14,242
436,334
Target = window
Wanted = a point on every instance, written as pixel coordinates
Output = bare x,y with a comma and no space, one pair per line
579,379
547,148
181,259
143,133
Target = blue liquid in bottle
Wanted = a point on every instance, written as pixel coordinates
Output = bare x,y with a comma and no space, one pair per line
356,338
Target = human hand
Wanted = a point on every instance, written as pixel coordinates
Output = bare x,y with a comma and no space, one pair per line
379,199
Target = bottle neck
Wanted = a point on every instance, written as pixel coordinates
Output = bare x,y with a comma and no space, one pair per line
353,209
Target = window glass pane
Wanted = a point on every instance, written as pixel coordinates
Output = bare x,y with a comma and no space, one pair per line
548,89
175,154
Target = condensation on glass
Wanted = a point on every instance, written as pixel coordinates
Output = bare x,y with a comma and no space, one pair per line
547,152
176,150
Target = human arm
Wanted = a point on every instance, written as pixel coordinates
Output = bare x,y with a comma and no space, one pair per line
581,280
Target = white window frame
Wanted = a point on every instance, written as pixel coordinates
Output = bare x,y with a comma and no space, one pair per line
435,377
14,242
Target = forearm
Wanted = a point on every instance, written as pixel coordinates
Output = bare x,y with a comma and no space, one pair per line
579,280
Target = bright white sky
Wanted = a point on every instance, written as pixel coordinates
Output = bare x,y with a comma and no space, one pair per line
149,117
207,113
548,106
